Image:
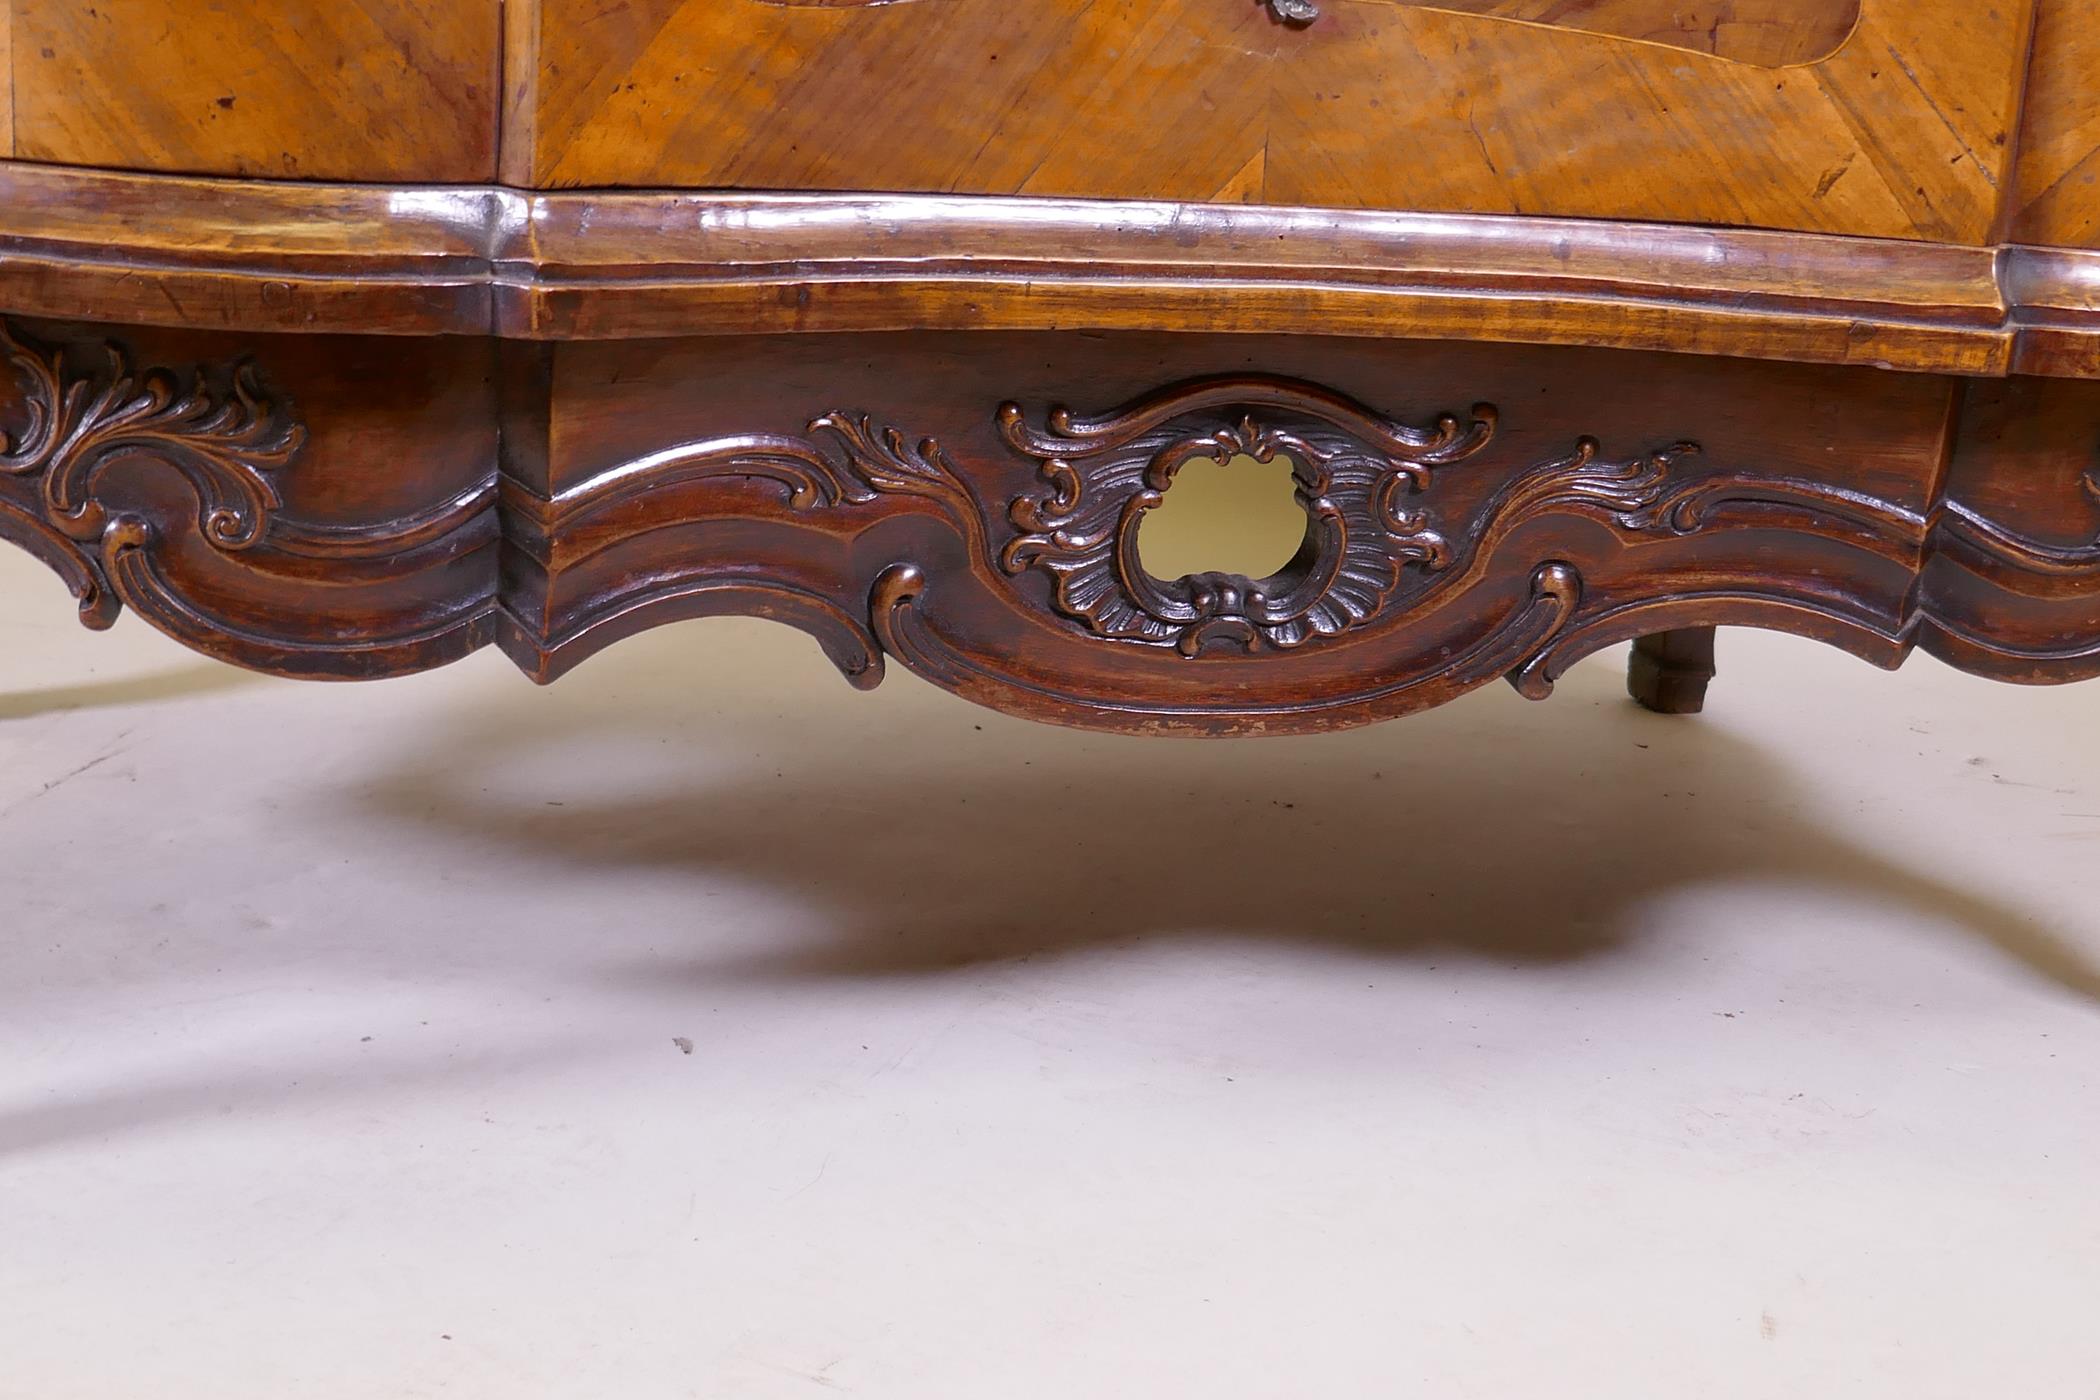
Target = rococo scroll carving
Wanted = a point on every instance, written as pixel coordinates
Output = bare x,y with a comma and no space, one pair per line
216,427
842,459
1413,583
1524,633
1976,534
96,439
220,431
1362,480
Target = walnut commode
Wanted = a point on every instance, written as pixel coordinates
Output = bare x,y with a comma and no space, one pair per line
344,340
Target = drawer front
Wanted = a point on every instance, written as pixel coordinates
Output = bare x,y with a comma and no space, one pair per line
2059,174
1881,117
383,90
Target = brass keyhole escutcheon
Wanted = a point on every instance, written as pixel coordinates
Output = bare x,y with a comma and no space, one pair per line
1238,517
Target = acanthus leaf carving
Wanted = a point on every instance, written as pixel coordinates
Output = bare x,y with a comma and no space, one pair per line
222,432
840,459
216,427
1362,480
1429,566
88,421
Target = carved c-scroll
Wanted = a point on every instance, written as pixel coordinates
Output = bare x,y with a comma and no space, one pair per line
78,489
217,428
1360,478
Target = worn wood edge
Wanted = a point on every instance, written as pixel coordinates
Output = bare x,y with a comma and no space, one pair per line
2055,298
258,256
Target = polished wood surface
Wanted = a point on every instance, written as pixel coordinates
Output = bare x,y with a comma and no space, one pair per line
359,507
2057,198
375,90
1904,130
1875,117
264,256
559,319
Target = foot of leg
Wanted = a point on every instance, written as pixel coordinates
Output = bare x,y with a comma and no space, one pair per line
1670,670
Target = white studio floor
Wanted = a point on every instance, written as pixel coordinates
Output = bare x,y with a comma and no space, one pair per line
1511,1050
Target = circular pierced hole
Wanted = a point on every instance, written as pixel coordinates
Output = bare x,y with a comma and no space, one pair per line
1237,517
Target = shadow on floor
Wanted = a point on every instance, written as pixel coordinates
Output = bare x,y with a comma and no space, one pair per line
203,678
937,836
913,835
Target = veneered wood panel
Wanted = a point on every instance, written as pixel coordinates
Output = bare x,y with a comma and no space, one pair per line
304,89
1522,119
7,79
1771,33
520,58
1903,130
2059,176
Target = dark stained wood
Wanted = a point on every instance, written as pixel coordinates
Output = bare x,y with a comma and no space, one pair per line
1668,672
358,507
1821,352
911,519
325,510
2013,590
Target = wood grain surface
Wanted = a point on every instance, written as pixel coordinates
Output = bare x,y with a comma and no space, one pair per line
7,78
353,507
1904,130
372,90
1767,33
1630,109
2057,199
263,256
1893,118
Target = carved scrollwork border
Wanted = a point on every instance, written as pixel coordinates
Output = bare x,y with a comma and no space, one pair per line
1362,480
94,426
218,428
1517,639
1413,583
840,459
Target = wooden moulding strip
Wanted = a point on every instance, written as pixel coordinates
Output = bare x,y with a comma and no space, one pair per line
258,256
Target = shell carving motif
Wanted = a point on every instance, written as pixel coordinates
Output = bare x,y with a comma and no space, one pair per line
1356,476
